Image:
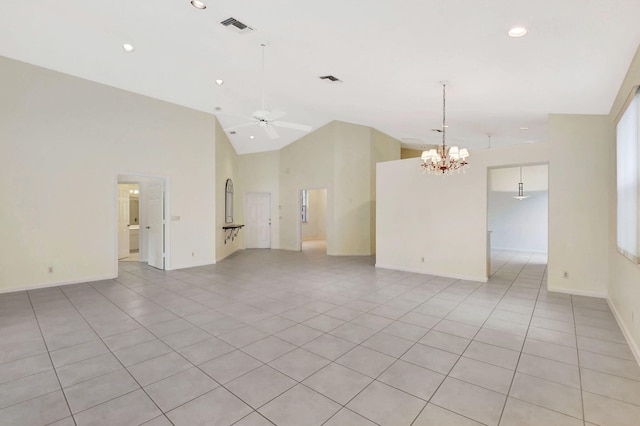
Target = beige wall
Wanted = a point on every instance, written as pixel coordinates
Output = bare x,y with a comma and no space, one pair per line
444,219
261,173
624,276
409,153
227,168
61,136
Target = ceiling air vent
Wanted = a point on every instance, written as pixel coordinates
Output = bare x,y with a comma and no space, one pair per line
330,78
236,25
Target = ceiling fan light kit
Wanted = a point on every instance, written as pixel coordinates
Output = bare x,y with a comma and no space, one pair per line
268,120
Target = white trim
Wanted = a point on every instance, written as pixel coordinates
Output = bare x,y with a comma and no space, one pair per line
437,274
598,294
625,331
59,283
519,250
173,268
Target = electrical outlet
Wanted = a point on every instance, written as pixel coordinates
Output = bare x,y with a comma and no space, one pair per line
566,274
193,253
51,269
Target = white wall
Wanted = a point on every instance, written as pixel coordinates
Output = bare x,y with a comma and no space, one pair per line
59,132
444,219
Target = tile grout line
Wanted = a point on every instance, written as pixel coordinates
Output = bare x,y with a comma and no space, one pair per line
35,314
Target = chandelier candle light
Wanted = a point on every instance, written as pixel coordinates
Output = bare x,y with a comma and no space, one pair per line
521,195
444,160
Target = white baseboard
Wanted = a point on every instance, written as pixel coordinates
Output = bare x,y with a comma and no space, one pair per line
58,284
625,331
598,294
193,265
437,274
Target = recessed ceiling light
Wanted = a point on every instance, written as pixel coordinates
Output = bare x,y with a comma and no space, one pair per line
251,137
219,82
198,4
127,47
516,32
524,128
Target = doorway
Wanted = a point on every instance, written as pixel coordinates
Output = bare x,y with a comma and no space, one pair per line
141,217
128,222
257,220
517,213
313,220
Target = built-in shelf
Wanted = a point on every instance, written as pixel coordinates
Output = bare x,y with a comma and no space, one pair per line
231,231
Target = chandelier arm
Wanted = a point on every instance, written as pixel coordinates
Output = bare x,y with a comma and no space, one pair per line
444,117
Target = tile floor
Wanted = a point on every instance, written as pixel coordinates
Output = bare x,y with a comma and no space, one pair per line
300,338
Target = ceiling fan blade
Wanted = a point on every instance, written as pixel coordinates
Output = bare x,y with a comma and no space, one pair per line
295,126
271,132
275,114
239,126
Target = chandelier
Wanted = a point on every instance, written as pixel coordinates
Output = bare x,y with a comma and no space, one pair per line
521,195
443,160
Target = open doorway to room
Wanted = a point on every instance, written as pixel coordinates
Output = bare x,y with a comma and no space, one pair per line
313,220
517,214
128,222
141,220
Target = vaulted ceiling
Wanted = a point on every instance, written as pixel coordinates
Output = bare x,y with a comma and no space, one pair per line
389,55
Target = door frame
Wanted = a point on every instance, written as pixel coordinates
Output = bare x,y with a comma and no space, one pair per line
488,189
141,179
244,212
299,215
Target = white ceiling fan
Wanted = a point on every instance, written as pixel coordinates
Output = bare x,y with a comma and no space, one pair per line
268,120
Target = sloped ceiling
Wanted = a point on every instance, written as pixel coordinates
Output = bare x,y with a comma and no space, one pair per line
390,56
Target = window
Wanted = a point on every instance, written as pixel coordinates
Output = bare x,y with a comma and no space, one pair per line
228,201
305,205
628,160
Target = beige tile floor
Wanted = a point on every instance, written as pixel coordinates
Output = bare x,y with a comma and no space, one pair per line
299,338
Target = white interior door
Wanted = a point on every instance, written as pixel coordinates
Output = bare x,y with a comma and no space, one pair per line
257,216
155,225
123,222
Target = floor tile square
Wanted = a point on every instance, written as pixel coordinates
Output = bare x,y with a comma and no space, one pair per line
337,382
152,370
182,387
471,401
217,407
488,376
99,389
490,354
606,411
227,367
353,333
206,350
544,393
386,405
521,413
299,364
433,415
446,342
87,369
299,406
388,344
412,379
428,357
132,408
299,334
268,349
260,386
348,417
366,361
547,369
329,346
40,410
